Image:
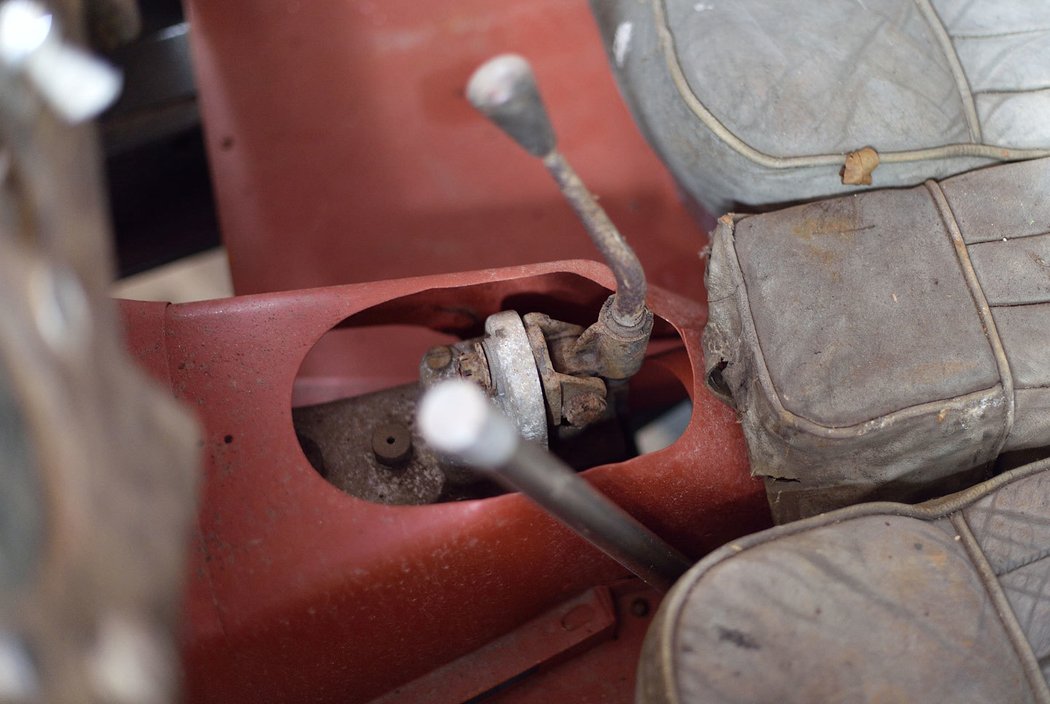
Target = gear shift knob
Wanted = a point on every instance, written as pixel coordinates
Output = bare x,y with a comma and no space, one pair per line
504,90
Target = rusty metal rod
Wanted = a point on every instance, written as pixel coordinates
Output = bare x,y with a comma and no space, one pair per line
629,300
504,90
457,419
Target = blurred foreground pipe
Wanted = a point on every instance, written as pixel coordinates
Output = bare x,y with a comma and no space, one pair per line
456,419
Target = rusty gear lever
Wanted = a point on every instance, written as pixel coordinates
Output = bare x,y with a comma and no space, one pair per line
504,90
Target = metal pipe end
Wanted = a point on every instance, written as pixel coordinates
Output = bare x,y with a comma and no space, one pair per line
456,419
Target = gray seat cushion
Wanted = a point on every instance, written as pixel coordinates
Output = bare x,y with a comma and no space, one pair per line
753,103
945,601
886,345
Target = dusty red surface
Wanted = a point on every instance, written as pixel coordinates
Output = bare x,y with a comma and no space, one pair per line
300,593
343,149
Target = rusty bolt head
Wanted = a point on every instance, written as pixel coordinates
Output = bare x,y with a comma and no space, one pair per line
582,409
438,358
391,444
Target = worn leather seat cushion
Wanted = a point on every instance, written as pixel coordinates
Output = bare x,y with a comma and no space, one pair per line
886,345
753,103
945,601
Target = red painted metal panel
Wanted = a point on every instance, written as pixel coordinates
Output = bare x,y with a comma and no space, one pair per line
343,149
299,592
571,627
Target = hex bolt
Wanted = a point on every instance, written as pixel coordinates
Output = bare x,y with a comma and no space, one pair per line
391,444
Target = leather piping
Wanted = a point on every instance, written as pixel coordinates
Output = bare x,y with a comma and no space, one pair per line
943,38
1002,607
987,321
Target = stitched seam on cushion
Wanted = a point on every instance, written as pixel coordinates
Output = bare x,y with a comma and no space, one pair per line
983,309
999,35
1009,238
1031,560
731,140
1019,91
1005,611
961,81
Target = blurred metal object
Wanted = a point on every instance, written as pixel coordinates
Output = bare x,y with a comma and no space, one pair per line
111,23
51,193
97,465
21,519
457,419
18,677
76,85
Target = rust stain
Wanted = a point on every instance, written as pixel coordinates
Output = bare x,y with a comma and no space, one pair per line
827,258
938,560
840,227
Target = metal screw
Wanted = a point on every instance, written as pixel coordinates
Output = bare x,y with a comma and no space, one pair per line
438,358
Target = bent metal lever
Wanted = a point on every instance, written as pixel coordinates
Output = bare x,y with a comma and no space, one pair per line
457,419
504,90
